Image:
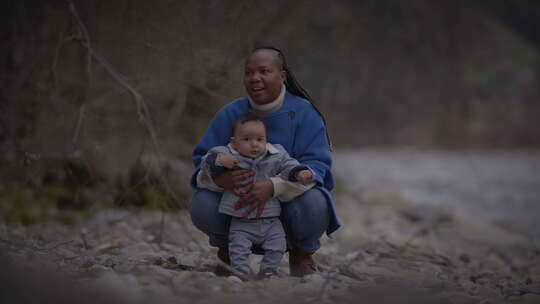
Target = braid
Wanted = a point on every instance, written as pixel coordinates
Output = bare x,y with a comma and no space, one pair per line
293,86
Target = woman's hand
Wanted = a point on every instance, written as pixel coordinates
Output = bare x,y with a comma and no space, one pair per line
304,175
234,179
256,197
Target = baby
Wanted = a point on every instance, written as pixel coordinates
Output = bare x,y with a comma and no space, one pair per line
248,149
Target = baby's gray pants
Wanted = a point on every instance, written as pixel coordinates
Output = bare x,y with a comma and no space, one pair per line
267,232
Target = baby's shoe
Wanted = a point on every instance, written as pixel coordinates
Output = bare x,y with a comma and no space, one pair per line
267,274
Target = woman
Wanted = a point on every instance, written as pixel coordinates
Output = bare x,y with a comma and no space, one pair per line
298,126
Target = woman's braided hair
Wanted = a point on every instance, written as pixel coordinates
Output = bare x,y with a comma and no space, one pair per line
293,86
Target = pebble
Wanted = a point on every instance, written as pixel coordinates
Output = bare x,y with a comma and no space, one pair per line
234,279
204,275
97,268
181,277
312,282
317,278
106,260
125,285
137,250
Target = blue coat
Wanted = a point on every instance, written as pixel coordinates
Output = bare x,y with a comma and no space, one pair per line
296,126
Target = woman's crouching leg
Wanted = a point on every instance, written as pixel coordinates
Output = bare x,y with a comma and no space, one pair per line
305,219
203,208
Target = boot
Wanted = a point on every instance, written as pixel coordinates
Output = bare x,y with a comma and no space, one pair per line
301,262
223,255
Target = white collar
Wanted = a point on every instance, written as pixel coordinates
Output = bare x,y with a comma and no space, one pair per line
269,148
269,107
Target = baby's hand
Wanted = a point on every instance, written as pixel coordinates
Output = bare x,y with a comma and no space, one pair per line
304,175
226,160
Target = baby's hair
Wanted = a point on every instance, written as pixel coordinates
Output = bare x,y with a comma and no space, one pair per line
292,85
246,118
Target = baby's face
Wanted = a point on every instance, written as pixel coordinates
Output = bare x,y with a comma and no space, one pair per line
250,139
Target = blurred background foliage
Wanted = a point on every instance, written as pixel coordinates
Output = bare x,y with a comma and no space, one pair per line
102,101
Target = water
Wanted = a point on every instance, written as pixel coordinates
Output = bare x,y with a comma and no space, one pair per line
501,185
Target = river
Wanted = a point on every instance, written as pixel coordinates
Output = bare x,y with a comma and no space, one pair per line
499,186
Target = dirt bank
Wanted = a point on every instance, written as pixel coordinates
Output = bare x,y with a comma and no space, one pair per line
389,251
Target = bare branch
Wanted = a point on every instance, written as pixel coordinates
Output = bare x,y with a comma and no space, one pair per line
85,41
142,108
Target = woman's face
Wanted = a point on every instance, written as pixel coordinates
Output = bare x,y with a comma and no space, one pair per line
263,76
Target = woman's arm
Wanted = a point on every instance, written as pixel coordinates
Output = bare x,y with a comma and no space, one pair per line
312,148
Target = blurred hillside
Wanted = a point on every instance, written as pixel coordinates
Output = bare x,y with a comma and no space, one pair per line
92,90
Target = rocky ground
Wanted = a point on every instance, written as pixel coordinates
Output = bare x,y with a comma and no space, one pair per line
388,251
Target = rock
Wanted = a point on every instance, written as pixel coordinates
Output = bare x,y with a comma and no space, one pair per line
86,261
360,270
159,261
521,290
312,278
234,279
182,278
125,285
464,258
106,260
189,259
172,260
137,250
205,275
313,281
235,284
161,273
343,280
98,269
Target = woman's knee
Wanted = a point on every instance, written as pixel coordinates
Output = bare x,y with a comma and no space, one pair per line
204,211
310,205
308,215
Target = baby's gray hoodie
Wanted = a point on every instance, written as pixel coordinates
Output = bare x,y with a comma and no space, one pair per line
274,162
